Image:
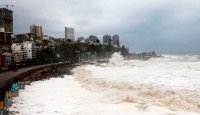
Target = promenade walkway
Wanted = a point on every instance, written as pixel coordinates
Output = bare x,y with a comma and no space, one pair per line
4,77
11,74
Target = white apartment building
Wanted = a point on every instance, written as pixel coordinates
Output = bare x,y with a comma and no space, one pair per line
26,49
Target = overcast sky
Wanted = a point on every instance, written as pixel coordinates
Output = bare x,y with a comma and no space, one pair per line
143,25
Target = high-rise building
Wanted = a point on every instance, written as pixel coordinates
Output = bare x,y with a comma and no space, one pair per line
93,39
69,33
107,39
6,20
36,30
6,29
115,40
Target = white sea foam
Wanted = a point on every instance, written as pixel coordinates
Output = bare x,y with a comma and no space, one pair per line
159,86
65,96
164,81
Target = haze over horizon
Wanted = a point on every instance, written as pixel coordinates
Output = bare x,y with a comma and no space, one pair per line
154,25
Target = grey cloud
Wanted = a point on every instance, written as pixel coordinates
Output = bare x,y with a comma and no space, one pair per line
167,25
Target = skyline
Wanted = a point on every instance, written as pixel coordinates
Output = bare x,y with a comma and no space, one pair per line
161,26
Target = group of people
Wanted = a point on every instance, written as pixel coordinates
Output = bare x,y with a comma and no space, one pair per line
13,92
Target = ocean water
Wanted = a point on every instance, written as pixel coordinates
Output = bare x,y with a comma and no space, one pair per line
169,85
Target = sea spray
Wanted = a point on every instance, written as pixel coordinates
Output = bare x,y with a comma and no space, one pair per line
116,59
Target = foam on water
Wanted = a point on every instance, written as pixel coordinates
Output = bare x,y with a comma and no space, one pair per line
164,81
159,86
65,96
178,58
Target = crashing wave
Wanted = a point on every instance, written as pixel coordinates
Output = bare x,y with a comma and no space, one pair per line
116,59
119,92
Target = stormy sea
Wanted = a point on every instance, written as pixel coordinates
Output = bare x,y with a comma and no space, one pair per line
168,85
